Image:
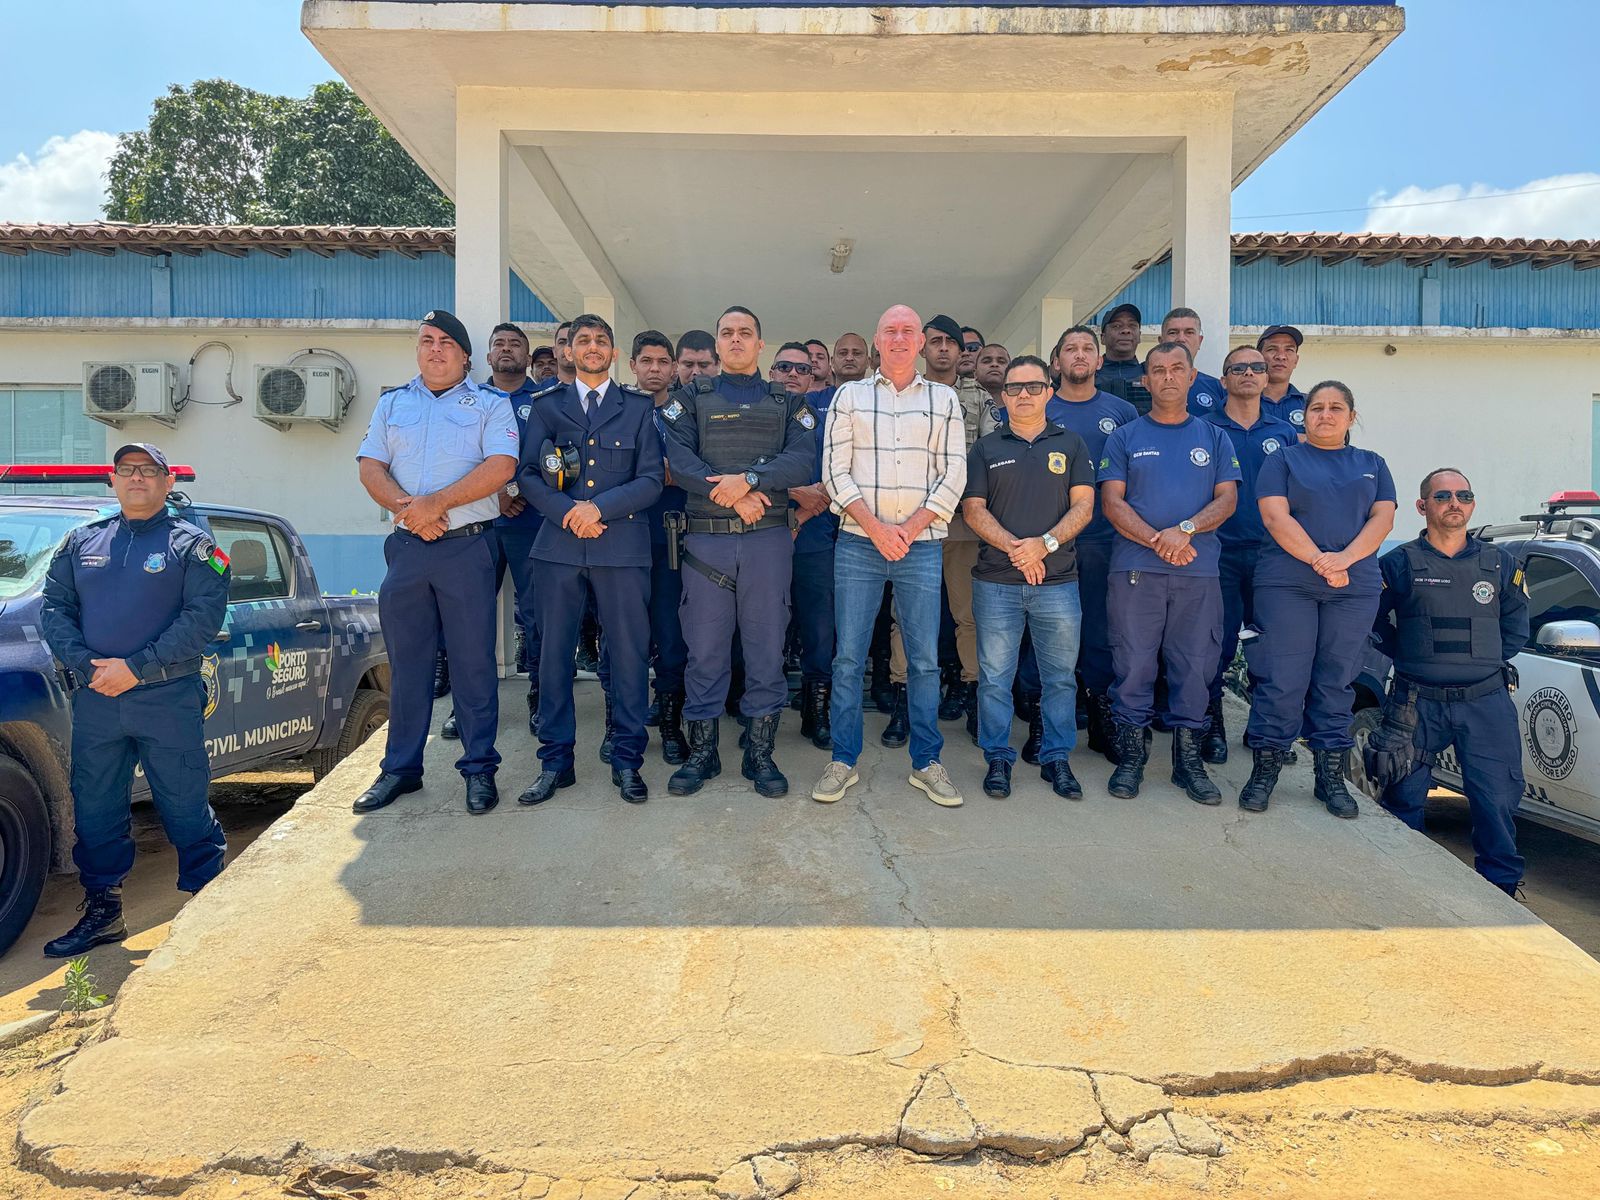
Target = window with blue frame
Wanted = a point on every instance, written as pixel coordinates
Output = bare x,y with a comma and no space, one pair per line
47,425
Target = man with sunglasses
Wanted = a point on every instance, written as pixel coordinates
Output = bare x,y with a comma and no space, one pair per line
1256,433
1452,615
130,603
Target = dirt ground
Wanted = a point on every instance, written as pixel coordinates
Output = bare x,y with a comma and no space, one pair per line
1373,1136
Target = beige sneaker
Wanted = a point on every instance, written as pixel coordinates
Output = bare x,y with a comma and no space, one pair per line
835,779
935,780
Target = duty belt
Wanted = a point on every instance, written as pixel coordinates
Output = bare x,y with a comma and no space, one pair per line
732,524
472,530
1450,695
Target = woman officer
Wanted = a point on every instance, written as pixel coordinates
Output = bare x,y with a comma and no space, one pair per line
1327,506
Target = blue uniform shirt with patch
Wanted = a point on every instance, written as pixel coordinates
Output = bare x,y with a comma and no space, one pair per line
1206,394
1331,494
672,496
150,592
1171,473
521,402
429,442
821,531
1292,408
1093,420
1251,447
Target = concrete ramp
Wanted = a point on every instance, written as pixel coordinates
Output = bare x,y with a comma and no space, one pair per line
592,988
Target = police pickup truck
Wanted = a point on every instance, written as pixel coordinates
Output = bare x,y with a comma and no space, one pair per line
291,675
1558,691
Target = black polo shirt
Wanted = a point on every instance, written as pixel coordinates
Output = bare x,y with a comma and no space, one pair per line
1027,487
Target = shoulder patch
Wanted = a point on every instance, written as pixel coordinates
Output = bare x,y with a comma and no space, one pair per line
672,411
806,415
634,391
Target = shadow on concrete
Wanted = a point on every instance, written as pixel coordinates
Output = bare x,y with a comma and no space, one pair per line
886,856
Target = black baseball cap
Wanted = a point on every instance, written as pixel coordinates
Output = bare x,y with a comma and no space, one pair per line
447,324
948,326
155,454
1274,330
1118,311
543,352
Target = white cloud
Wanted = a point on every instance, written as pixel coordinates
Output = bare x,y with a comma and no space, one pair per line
1562,206
65,181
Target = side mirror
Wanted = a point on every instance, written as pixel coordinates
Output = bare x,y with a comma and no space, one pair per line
1569,637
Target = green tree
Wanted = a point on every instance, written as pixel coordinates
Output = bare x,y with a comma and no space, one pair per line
219,154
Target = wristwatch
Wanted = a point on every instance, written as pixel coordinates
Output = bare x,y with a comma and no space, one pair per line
1050,543
752,479
1186,527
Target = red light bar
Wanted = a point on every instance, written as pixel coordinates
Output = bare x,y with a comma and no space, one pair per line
1574,498
70,473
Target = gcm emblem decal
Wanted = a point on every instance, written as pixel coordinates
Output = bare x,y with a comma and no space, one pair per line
1483,591
1107,425
1552,733
1199,456
208,676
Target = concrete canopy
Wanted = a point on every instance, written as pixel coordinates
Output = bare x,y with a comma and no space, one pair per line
1011,166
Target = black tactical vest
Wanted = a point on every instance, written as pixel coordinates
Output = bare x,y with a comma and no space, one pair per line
1452,616
736,437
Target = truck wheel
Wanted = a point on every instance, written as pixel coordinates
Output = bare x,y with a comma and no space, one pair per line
24,848
369,710
1363,727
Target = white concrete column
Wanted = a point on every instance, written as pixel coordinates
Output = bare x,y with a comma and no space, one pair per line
483,281
1055,316
483,237
1202,187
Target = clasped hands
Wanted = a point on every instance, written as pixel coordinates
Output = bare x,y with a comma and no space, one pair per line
735,492
1174,546
112,677
1334,566
1027,555
424,516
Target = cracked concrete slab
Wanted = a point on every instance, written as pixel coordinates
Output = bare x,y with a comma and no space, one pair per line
595,990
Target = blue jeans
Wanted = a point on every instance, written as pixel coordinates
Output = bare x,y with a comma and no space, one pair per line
859,573
1054,616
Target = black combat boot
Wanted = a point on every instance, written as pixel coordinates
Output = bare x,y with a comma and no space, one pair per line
101,923
674,749
611,731
1035,739
882,690
950,704
1329,767
758,766
898,731
1214,740
451,729
703,762
1257,790
1102,727
441,676
533,707
815,722
1132,754
1189,769
652,715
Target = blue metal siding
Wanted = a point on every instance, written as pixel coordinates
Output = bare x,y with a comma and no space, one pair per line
1266,292
260,286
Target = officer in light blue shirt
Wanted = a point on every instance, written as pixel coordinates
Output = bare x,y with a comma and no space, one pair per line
436,455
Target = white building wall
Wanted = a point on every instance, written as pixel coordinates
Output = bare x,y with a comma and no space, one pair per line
307,474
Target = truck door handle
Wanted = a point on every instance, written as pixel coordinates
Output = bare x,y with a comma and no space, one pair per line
308,625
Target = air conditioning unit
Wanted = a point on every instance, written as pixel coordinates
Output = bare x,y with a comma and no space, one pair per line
118,392
285,395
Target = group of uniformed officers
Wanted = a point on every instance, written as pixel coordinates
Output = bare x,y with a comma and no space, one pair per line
1095,531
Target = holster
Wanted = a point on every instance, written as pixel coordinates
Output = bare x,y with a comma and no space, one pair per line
1393,750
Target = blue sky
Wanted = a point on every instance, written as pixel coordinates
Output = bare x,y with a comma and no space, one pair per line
1467,96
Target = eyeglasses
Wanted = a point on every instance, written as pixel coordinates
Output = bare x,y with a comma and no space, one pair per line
1034,387
142,470
791,368
1464,496
1259,368
971,348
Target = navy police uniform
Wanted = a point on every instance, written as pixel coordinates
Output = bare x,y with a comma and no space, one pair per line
446,586
812,593
1313,634
517,533
1158,610
1291,409
1206,394
619,470
668,654
1451,624
1242,533
152,593
737,576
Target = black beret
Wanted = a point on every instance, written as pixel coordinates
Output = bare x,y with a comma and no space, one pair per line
945,325
446,323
